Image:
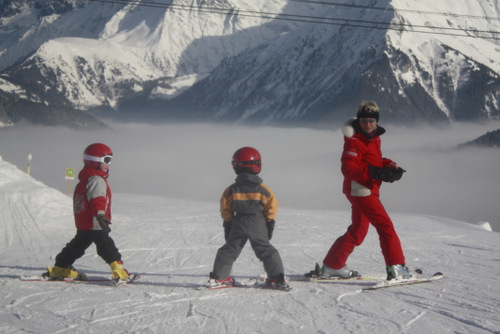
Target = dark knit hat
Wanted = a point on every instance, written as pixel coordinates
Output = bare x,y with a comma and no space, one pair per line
368,110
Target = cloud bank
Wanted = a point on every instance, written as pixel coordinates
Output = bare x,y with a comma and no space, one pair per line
302,166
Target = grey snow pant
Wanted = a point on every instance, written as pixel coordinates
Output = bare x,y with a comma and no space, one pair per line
245,228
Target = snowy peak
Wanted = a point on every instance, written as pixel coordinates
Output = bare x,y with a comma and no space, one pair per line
264,61
322,73
450,66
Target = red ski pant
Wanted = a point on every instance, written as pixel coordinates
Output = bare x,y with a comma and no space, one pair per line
366,210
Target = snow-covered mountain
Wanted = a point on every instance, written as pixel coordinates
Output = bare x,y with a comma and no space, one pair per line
172,244
261,61
323,71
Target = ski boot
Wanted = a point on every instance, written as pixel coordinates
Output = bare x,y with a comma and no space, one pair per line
213,282
60,273
342,272
397,272
326,272
120,274
278,283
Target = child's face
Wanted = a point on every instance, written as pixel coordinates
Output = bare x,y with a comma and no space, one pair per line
104,167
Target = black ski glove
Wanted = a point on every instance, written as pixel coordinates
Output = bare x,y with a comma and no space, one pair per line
270,228
397,173
103,222
386,174
227,229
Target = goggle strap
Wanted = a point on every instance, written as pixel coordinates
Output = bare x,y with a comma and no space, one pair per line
251,162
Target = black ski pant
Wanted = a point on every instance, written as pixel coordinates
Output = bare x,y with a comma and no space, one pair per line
75,249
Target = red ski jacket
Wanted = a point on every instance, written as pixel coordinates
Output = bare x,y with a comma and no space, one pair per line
92,194
361,151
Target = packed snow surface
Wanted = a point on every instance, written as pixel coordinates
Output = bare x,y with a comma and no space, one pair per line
172,244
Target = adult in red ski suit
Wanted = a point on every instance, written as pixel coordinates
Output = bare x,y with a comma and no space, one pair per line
364,169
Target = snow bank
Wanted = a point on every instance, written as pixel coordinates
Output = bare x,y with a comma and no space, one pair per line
485,226
172,243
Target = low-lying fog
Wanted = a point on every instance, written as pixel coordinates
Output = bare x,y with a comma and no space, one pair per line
302,166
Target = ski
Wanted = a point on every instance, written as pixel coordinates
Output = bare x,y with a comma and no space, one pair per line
219,287
409,281
43,278
258,282
334,279
315,276
132,278
370,277
341,279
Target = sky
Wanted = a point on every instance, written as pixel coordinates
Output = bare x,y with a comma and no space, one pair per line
302,166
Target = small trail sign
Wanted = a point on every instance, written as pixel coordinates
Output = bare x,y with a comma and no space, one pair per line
70,175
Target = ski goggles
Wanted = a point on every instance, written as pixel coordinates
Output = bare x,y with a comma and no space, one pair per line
105,159
367,120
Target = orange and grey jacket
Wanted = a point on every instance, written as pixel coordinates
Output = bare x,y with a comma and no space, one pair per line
248,196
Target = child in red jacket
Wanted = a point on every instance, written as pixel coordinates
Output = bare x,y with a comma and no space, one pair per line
92,210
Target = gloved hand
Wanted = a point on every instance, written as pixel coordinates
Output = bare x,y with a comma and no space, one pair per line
103,221
386,174
227,229
270,228
397,173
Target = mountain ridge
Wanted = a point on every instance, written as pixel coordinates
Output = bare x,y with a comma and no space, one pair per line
234,64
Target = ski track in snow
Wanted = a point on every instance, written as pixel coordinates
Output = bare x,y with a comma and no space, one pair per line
172,244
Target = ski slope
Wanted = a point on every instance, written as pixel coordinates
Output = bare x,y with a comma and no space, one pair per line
172,244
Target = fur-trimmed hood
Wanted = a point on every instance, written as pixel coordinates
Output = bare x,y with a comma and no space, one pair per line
348,128
351,127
